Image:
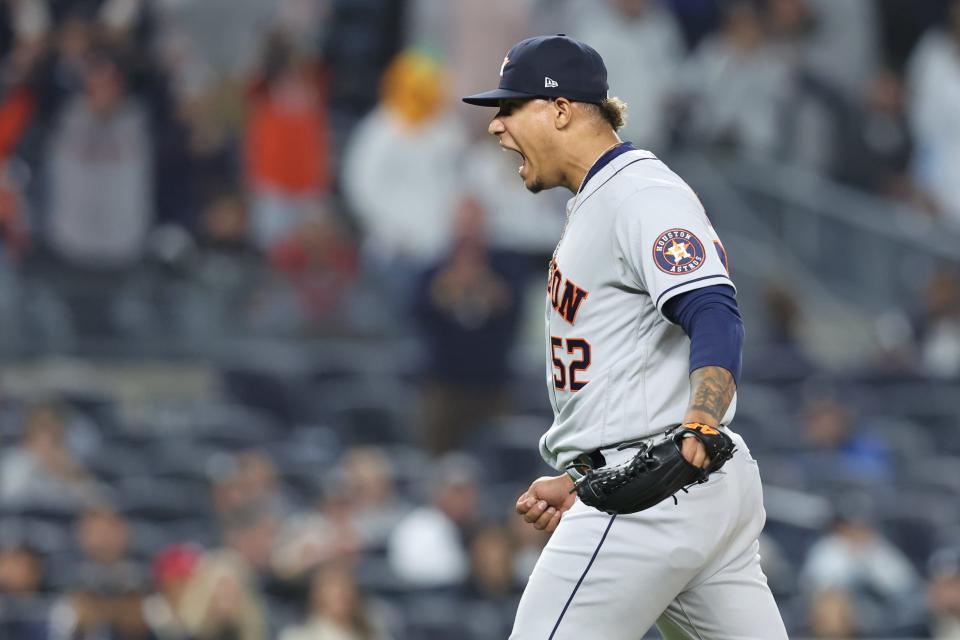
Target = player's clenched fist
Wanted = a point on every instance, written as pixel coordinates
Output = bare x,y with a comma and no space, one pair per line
546,500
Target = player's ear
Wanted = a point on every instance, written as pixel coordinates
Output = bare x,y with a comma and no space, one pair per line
562,112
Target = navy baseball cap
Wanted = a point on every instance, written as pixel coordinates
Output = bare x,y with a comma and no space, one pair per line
548,66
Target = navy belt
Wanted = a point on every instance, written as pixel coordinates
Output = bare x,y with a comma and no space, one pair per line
593,459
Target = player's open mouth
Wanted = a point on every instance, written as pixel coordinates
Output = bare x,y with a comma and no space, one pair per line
523,158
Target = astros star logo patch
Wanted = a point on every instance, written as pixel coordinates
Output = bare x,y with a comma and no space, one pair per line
678,251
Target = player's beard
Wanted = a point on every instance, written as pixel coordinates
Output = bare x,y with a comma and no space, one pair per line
537,185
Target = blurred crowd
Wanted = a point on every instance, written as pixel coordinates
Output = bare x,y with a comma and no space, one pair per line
198,541
174,173
300,172
220,520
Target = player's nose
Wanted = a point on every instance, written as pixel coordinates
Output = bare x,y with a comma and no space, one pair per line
496,127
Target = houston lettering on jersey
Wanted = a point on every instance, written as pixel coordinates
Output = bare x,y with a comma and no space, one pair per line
565,296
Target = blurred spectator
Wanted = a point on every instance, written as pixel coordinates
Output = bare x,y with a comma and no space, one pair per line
59,75
21,571
877,156
328,533
14,234
780,353
943,594
287,144
735,87
491,567
195,139
221,600
227,268
107,588
783,317
8,20
36,18
807,35
428,547
319,260
858,584
400,172
101,174
304,22
468,36
831,615
492,590
934,100
467,311
839,448
225,225
369,480
790,24
173,568
337,610
41,469
189,167
187,34
247,483
939,326
23,613
98,612
362,39
103,536
250,535
643,49
697,18
223,597
896,346
17,108
836,42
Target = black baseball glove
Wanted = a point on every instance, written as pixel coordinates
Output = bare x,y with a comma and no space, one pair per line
656,472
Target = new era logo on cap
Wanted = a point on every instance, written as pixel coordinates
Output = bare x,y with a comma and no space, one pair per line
548,66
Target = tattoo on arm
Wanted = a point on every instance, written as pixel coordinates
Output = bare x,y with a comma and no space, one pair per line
711,390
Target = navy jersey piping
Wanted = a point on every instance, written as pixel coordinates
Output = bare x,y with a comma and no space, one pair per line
582,576
686,282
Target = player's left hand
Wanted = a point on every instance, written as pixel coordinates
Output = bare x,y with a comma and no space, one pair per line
694,452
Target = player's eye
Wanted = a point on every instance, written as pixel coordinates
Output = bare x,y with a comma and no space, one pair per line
507,107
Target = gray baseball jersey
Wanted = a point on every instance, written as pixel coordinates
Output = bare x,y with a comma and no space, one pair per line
617,369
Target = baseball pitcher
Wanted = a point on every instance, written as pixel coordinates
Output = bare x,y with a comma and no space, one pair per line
657,507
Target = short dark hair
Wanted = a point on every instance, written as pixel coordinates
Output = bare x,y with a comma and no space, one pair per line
612,110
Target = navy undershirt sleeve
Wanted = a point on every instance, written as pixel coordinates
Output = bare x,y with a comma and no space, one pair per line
710,317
